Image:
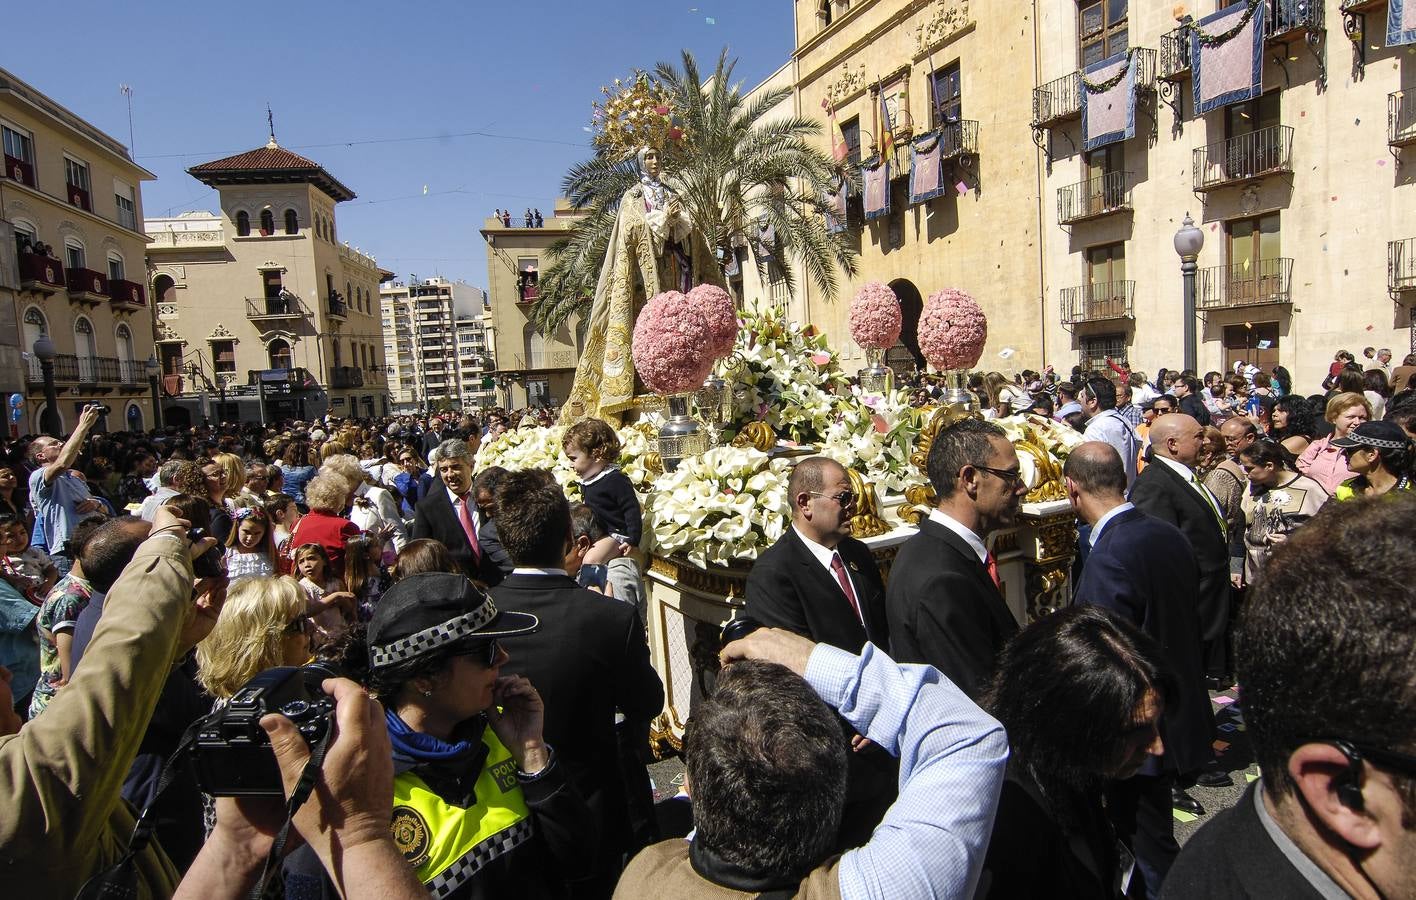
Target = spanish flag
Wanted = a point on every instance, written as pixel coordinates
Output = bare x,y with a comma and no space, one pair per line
887,139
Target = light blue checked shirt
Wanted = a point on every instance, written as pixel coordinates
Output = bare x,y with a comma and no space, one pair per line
952,754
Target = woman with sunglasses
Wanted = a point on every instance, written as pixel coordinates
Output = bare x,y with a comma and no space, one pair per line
1381,455
1277,502
481,808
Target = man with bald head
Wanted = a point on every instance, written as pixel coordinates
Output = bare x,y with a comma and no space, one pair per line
1169,491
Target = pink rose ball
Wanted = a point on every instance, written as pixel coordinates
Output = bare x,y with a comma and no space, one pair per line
669,344
720,313
875,317
952,330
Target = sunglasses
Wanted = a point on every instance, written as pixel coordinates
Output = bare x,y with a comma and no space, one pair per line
1008,475
1404,763
301,624
845,498
485,654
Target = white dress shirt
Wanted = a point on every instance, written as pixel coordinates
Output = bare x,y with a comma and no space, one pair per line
1106,520
1188,474
974,541
824,555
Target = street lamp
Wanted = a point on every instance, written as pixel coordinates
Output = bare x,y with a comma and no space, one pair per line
1189,241
153,371
44,352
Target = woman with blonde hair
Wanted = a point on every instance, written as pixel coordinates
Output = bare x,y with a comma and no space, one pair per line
374,510
235,469
328,496
1325,463
263,624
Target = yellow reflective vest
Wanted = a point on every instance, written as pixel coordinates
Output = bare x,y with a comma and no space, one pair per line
446,844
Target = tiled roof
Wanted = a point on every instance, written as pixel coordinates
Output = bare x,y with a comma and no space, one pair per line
266,157
269,163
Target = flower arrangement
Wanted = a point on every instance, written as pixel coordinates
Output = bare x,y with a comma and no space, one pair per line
722,507
784,374
540,448
720,312
952,330
670,338
875,436
875,317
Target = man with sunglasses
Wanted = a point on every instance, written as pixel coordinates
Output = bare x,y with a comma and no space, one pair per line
1327,667
819,582
945,603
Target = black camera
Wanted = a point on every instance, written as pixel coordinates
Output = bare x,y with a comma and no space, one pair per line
210,564
737,629
232,756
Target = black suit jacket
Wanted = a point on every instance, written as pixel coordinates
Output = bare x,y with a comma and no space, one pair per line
1142,570
589,658
435,518
787,588
944,610
1232,856
1161,492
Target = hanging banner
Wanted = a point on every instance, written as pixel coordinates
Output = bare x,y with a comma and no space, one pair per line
877,191
926,168
1401,22
1228,53
1108,101
833,205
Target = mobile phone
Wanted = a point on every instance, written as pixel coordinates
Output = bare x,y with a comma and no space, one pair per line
593,576
621,538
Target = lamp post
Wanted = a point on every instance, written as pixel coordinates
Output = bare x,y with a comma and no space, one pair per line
153,371
44,352
1189,240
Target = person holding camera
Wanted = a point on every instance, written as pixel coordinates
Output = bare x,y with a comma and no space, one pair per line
481,807
60,497
61,776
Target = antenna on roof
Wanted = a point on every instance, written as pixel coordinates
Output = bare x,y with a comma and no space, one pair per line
270,118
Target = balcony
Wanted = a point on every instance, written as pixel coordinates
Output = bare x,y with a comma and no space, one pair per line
1057,101
338,309
275,379
19,170
1175,54
127,295
346,377
1098,196
41,274
958,140
1263,282
1401,267
1243,158
1098,302
105,369
87,286
274,309
1401,119
1286,20
79,197
66,369
528,292
132,373
550,359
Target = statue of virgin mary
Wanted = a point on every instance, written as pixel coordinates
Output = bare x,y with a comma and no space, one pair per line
653,248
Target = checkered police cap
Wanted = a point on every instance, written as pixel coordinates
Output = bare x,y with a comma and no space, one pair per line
423,612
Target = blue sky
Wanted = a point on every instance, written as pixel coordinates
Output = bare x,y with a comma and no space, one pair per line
338,74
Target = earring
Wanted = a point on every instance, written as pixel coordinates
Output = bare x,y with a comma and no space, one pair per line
427,693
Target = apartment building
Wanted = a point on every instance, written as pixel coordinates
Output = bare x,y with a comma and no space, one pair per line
431,366
71,196
263,313
476,357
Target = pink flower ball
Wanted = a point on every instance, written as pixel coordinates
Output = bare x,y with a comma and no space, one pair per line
720,312
669,344
875,317
952,330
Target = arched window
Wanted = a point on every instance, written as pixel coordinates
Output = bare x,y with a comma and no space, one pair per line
330,226
267,222
164,288
115,267
85,348
335,356
127,368
34,325
75,256
281,356
243,224
292,222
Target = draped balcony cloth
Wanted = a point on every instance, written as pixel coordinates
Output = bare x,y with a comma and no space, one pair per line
1231,72
926,168
1109,115
1401,22
877,191
834,207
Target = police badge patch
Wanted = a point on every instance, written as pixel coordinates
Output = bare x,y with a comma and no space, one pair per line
410,834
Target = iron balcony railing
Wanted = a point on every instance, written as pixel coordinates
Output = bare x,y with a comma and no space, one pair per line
1243,158
1287,17
1175,54
1401,265
1401,118
1098,302
287,307
1097,196
1058,100
1252,283
958,139
346,377
132,372
337,306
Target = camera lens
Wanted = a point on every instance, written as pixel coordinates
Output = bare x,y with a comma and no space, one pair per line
738,629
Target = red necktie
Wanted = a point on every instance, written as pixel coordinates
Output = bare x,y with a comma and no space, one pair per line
992,565
840,571
464,514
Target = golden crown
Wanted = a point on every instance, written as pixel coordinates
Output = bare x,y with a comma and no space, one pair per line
634,115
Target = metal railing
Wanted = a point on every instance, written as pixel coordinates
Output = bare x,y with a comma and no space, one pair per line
274,307
1175,53
346,377
1241,158
132,372
551,359
337,306
1401,118
1097,196
1401,265
958,139
1059,99
1257,283
1284,17
1098,302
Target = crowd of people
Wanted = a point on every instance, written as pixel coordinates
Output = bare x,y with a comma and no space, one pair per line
483,643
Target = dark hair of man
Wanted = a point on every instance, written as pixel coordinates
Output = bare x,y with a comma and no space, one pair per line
487,481
767,766
967,442
1102,391
1375,380
110,548
1338,590
809,476
1403,415
81,534
1192,383
533,518
1097,472
1067,389
1067,689
1269,453
585,524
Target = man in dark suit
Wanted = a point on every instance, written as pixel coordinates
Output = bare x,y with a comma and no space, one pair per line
1326,650
449,513
821,583
1187,394
589,660
1140,568
944,605
1169,491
